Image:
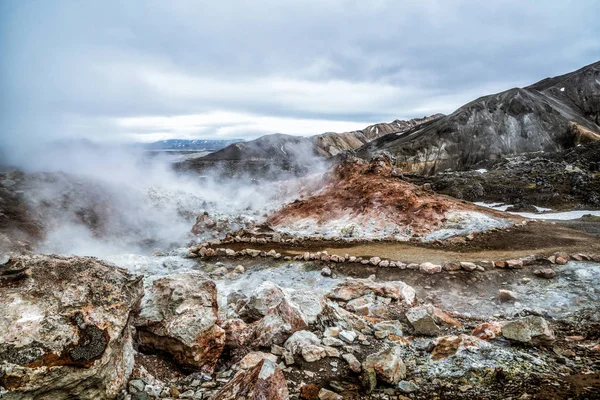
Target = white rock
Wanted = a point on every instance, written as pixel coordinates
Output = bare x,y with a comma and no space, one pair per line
348,336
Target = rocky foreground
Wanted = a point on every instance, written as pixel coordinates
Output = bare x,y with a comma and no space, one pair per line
76,327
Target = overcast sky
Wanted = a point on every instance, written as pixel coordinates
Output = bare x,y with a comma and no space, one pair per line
150,70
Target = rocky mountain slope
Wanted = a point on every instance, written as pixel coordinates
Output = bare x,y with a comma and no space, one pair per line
550,115
567,179
331,143
295,154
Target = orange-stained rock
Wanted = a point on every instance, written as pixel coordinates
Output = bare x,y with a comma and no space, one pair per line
488,330
252,359
448,346
179,316
309,392
441,316
236,332
263,382
276,326
351,289
65,327
426,319
388,364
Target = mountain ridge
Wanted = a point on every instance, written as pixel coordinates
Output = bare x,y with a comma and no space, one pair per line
279,146
549,115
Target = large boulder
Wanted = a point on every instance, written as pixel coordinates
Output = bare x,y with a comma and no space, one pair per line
354,288
179,316
334,315
532,329
264,381
265,297
388,365
65,327
268,296
276,326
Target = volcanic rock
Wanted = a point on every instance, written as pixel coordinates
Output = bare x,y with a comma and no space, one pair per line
422,322
393,327
263,298
532,329
387,364
264,381
547,273
332,315
179,316
514,264
252,359
487,330
355,288
426,320
430,268
448,346
65,328
348,336
277,325
374,260
325,394
352,361
312,353
451,266
299,340
507,295
332,342
407,387
468,266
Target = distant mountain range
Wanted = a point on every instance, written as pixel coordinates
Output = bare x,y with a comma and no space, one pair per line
281,147
196,144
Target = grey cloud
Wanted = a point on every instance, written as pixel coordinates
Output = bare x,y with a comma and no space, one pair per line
73,68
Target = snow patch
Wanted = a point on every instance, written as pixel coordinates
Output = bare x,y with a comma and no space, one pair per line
561,216
543,212
464,222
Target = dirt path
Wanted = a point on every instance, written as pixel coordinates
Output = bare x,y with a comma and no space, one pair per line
534,238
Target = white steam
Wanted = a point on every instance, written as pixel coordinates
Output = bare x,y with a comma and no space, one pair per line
104,200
